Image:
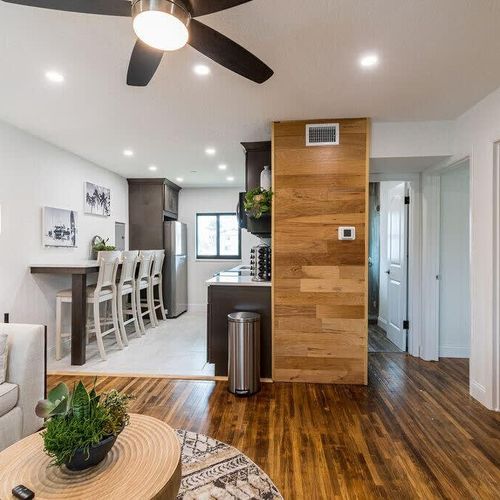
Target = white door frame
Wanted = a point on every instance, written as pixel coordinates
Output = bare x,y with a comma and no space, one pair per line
414,258
496,278
431,205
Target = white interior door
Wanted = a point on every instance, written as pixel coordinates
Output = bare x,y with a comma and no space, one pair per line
397,266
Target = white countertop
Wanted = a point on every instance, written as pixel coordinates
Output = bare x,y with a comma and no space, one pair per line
235,281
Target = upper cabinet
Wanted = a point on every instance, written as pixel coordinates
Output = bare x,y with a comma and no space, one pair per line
151,202
171,200
258,156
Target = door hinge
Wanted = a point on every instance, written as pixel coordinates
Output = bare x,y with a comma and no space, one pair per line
407,200
406,324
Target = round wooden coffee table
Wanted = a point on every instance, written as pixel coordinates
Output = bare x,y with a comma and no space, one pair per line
144,463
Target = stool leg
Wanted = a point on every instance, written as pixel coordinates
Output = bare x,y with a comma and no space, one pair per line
134,311
119,298
139,309
58,328
151,306
116,326
160,296
98,334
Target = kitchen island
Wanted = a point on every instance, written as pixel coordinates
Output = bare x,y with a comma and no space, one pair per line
233,291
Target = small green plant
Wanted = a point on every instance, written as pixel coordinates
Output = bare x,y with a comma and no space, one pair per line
79,419
258,202
101,245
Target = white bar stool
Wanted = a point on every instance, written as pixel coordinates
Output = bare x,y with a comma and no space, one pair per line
142,282
126,286
157,280
104,291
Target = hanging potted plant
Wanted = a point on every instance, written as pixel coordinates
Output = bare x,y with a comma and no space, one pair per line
258,203
81,427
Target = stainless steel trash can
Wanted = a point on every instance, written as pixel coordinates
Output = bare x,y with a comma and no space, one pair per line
244,353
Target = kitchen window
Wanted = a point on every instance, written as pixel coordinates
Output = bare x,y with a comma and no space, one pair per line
218,236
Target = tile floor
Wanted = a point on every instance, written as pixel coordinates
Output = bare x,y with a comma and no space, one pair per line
177,347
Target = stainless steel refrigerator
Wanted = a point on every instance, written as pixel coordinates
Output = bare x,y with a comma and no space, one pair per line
175,268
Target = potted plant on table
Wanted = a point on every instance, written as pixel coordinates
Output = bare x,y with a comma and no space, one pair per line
257,205
81,426
100,244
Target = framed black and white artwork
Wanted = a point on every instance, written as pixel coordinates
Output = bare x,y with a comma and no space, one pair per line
97,200
59,227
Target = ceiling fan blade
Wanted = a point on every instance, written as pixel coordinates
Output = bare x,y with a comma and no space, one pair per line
104,7
204,7
143,64
227,53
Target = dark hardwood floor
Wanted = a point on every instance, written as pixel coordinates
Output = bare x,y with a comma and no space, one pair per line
414,432
378,341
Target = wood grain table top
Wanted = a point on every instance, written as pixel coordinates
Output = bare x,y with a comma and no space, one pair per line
144,463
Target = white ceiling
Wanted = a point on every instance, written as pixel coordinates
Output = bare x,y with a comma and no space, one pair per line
438,57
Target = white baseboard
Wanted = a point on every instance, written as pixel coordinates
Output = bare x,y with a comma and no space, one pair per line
478,391
382,322
450,351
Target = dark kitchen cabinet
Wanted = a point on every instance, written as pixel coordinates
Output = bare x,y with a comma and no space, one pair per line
258,155
223,300
171,200
151,202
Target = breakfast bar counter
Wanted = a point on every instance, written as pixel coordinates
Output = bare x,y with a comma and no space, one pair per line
78,272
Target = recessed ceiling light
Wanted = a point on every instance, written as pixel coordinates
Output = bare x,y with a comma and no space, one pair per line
179,179
201,69
54,77
369,60
230,179
153,168
128,152
210,151
222,167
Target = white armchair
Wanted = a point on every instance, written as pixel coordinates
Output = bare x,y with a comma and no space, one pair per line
25,382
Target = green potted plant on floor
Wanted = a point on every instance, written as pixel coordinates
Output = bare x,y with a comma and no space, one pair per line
81,427
257,204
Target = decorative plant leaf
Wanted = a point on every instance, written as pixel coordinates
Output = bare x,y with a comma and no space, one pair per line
44,408
81,401
58,393
258,202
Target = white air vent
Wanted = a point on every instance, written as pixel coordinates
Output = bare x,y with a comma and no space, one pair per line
322,134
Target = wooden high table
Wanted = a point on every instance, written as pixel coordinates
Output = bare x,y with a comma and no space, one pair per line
78,273
144,464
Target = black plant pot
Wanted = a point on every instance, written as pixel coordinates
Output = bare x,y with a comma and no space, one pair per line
260,226
82,460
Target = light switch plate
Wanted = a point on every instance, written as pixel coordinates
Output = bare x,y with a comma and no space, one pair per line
347,233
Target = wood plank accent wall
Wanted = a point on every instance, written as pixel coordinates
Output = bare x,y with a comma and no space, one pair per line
320,283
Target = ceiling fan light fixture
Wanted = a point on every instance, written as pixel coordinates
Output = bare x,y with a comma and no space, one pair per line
161,24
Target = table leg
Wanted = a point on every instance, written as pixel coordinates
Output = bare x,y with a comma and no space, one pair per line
78,318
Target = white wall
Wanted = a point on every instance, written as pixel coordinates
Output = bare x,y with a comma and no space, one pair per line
383,312
475,133
191,202
411,139
454,290
33,174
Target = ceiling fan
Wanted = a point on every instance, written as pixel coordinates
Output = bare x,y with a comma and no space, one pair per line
166,25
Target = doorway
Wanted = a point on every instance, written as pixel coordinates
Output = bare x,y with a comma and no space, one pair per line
454,263
388,267
120,236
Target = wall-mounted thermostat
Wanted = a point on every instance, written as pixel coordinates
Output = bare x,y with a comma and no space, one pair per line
347,233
